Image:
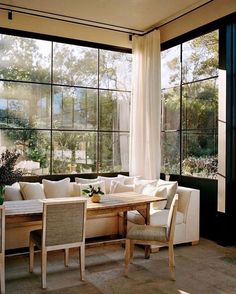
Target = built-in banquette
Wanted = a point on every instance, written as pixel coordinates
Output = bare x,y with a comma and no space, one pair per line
187,223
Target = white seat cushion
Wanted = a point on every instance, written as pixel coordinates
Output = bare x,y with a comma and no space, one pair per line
157,217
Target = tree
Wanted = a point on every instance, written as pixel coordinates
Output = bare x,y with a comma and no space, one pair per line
27,106
199,101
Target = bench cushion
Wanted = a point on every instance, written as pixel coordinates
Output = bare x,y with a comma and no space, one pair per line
157,217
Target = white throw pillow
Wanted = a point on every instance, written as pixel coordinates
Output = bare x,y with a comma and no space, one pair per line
108,180
31,191
56,189
97,184
156,192
12,193
117,187
76,190
85,181
139,184
128,180
171,190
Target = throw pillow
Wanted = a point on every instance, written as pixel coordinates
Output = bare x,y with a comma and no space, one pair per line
128,180
108,180
12,192
139,184
156,192
56,189
171,190
85,181
76,190
31,191
117,187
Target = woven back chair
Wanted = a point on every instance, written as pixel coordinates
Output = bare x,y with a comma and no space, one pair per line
2,247
63,228
147,234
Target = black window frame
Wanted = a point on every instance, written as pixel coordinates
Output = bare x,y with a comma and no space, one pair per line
70,41
205,29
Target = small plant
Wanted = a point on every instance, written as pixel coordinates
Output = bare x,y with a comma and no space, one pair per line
92,190
9,175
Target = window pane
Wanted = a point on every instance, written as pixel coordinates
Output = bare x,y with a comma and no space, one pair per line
170,151
170,67
114,152
200,153
171,109
75,65
115,70
74,152
34,147
200,105
114,110
74,108
24,105
25,59
200,57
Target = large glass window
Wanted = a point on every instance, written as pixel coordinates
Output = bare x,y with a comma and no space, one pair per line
65,107
190,107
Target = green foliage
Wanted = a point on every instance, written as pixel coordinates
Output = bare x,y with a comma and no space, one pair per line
199,108
8,175
92,190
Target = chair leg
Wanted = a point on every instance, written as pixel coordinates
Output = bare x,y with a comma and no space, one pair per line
66,257
147,251
2,274
31,255
131,251
127,255
82,262
44,268
171,261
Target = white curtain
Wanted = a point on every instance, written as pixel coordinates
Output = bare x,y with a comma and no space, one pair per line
145,151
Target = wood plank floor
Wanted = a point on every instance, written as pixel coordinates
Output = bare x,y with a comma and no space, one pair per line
204,268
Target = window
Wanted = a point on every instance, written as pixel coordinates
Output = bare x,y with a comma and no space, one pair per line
190,107
65,107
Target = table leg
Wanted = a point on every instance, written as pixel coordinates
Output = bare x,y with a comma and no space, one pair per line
124,227
147,222
124,224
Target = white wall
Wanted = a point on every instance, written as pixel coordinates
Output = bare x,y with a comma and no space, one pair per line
208,13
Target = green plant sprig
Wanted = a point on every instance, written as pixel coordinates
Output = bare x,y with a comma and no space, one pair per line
92,190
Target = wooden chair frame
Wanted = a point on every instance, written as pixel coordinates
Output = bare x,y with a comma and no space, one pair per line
45,249
129,244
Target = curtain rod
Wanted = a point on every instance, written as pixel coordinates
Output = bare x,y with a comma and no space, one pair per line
90,23
69,19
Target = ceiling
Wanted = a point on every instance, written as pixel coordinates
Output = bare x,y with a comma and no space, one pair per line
132,15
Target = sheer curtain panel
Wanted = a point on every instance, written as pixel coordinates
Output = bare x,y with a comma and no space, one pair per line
145,151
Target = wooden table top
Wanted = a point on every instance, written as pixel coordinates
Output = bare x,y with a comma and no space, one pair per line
110,202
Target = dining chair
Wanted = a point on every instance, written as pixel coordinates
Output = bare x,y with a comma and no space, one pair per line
2,247
63,228
149,234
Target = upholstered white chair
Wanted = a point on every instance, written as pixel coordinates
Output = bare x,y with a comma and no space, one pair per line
148,234
2,247
63,228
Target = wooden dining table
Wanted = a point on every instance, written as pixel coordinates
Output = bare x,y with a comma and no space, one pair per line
31,210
